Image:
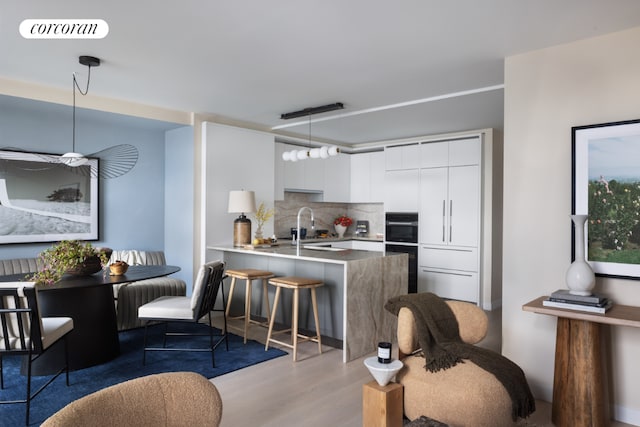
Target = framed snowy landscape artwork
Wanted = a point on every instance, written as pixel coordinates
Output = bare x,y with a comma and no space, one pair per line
44,200
606,187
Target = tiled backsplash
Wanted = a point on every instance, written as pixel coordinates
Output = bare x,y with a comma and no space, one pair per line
324,213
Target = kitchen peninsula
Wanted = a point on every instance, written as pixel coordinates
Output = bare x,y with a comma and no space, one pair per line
351,303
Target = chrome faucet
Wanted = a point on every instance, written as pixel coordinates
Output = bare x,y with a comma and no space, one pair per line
313,226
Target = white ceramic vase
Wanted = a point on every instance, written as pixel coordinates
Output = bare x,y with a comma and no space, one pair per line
580,277
340,229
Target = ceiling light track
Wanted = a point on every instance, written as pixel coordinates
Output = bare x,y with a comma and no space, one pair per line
392,106
312,110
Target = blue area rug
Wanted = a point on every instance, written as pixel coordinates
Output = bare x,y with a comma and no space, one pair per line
125,367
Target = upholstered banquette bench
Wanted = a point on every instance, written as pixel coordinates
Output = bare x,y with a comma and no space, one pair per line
128,296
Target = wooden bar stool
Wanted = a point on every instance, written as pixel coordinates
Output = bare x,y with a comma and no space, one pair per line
248,275
295,283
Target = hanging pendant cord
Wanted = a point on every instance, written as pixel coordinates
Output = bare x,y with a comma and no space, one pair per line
309,142
75,85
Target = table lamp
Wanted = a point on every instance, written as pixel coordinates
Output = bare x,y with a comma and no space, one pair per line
241,201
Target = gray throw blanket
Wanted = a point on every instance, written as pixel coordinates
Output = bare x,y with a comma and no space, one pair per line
443,348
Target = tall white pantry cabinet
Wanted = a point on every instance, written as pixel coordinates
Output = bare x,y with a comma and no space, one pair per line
454,182
450,218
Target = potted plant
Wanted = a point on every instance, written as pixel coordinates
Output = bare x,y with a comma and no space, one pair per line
72,257
341,224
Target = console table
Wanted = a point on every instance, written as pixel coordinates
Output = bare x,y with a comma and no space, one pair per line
580,388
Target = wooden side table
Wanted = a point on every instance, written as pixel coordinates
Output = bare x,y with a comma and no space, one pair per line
382,405
580,387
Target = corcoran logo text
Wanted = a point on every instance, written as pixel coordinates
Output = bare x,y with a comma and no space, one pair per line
64,29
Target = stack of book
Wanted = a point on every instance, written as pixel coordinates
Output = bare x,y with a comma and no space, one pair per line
563,298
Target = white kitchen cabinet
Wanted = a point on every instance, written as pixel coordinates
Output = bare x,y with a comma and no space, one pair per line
402,157
367,177
458,285
401,190
305,175
450,205
363,245
337,178
377,161
360,182
450,219
460,152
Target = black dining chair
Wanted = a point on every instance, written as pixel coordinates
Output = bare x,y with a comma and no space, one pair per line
185,309
24,333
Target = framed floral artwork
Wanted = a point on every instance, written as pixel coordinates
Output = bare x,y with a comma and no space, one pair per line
44,200
606,187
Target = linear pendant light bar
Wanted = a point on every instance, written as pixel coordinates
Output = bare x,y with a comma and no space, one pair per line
312,110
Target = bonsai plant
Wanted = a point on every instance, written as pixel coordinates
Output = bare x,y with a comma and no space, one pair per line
69,256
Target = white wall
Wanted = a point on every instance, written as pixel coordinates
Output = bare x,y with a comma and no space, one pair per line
546,93
235,159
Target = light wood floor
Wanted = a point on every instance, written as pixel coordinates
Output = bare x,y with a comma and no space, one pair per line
318,390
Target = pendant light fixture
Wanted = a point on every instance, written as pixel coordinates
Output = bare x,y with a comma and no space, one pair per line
114,161
323,152
73,158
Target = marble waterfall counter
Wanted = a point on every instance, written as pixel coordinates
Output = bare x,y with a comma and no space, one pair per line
351,304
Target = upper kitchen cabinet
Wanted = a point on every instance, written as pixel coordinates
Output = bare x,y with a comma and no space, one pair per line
302,175
459,152
401,190
337,176
401,157
367,177
402,178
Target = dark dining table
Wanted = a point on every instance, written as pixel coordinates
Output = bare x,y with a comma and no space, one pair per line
89,301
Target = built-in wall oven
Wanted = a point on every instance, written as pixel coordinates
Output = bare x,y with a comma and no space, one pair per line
401,236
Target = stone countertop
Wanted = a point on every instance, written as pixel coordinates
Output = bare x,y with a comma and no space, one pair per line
287,250
335,239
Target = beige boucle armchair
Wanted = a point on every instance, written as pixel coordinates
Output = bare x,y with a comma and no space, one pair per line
464,395
130,296
170,399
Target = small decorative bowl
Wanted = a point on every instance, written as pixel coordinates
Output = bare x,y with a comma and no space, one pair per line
118,268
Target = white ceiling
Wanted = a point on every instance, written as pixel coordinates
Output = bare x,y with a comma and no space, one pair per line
251,60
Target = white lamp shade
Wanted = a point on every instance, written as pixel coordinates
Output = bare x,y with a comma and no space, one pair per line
324,152
241,201
286,156
73,159
302,154
333,150
314,153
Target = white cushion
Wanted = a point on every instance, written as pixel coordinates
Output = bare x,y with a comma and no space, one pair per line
131,257
167,307
53,328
